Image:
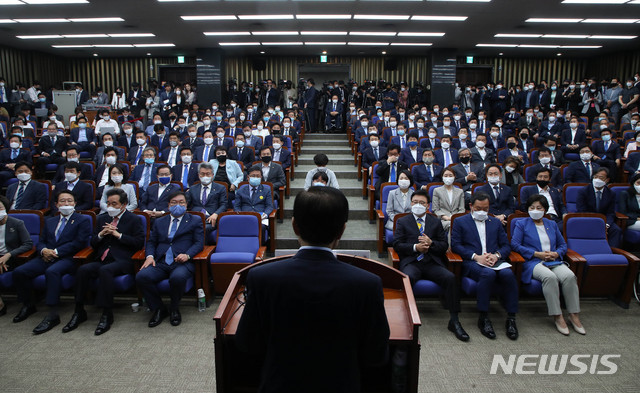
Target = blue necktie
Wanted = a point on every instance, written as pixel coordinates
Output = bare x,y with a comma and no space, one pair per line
598,199
392,173
138,155
20,195
206,154
185,176
169,254
146,177
14,154
63,222
429,172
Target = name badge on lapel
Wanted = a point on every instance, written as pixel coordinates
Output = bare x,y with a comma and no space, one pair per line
12,229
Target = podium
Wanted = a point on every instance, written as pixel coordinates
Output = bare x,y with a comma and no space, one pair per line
238,372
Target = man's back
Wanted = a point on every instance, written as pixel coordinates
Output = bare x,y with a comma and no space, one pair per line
316,320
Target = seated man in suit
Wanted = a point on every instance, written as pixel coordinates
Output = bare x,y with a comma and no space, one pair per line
480,153
598,198
581,171
254,197
160,137
463,141
61,238
107,142
495,141
271,171
501,201
483,245
512,150
557,157
447,155
73,156
430,172
329,293
573,137
84,198
254,141
135,152
557,209
544,158
127,139
279,154
207,197
172,153
155,199
27,193
220,139
51,148
373,153
334,111
83,137
632,165
607,152
190,139
186,172
242,153
147,172
389,169
116,237
10,157
412,153
422,244
468,173
175,239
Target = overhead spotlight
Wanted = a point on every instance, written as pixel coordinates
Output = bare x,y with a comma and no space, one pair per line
559,54
262,52
500,54
148,54
95,55
324,52
384,52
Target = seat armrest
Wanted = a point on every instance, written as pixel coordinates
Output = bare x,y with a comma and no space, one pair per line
630,257
84,254
27,254
515,257
204,254
395,258
139,256
453,257
573,257
380,214
261,251
621,216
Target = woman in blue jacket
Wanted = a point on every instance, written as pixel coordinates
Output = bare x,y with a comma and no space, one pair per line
542,246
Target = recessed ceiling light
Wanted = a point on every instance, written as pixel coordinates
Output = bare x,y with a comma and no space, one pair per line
553,20
239,43
274,32
153,45
518,35
570,36
306,32
283,43
85,36
208,17
38,37
262,52
417,34
226,33
7,21
113,46
597,20
411,44
95,55
581,46
71,46
613,37
47,2
325,43
441,18
384,52
558,54
42,20
374,33
266,17
594,1
500,54
538,46
11,2
96,20
148,54
324,52
132,35
369,43
323,16
497,45
380,17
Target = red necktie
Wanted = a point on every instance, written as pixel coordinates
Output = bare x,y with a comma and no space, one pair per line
106,252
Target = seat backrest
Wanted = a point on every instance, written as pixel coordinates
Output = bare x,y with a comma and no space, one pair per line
384,197
33,221
617,188
374,174
430,189
571,196
522,188
146,224
586,234
238,233
512,224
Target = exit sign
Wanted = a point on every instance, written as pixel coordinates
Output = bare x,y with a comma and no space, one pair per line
469,59
323,58
180,59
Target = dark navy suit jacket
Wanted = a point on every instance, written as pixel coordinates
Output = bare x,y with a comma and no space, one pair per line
188,239
74,237
586,202
149,199
216,202
407,233
261,202
122,249
81,191
505,203
422,178
465,240
34,197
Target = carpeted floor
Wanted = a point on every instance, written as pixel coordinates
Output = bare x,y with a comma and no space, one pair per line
133,358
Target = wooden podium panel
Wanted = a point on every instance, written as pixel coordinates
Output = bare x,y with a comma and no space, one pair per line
236,372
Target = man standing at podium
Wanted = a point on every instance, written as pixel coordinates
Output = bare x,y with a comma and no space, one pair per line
313,319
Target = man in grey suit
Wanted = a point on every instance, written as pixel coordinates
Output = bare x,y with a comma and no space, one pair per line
468,173
271,172
207,197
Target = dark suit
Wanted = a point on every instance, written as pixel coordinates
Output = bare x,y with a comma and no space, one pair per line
555,174
422,177
99,157
465,241
368,156
138,171
440,156
188,239
149,199
186,142
275,176
628,205
579,139
192,174
33,198
577,172
16,237
260,202
73,238
133,154
116,262
166,153
337,118
407,157
284,157
85,173
505,204
5,158
216,202
200,150
383,171
506,153
86,144
155,141
633,164
55,150
81,191
489,158
324,293
461,174
247,156
586,203
432,265
556,197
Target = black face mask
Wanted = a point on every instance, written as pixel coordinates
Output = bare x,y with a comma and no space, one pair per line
511,145
524,136
465,160
172,117
266,159
221,158
542,183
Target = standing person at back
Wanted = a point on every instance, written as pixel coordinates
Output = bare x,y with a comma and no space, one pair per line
313,319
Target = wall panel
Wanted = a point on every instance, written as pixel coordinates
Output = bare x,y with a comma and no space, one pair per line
518,70
622,65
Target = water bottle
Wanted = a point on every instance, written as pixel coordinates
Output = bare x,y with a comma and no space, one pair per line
202,302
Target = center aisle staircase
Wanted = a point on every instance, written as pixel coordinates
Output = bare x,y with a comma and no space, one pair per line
360,234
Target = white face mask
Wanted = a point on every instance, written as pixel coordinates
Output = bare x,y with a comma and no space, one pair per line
117,179
418,210
637,187
434,119
259,127
128,131
3,214
479,215
157,122
473,126
457,117
495,134
445,145
108,143
446,123
277,146
193,134
374,144
404,184
186,159
206,180
141,141
393,123
66,210
480,117
448,180
552,118
536,214
480,144
585,156
545,160
462,136
432,135
70,177
14,145
509,169
598,183
220,134
110,160
208,141
24,176
113,211
493,179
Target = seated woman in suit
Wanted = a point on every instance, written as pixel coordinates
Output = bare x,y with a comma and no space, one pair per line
633,145
399,199
15,241
541,244
511,173
447,200
629,203
118,179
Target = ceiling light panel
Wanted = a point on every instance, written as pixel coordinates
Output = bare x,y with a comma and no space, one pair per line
373,33
132,35
418,34
369,43
518,35
48,2
226,33
42,20
597,20
274,32
327,43
569,36
594,1
304,32
440,18
239,43
96,20
380,17
553,20
208,17
282,43
411,44
323,16
11,2
38,37
266,17
85,36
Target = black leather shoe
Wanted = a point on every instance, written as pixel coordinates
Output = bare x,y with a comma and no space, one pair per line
76,319
484,324
46,325
104,325
456,328
512,329
3,310
158,316
175,318
24,313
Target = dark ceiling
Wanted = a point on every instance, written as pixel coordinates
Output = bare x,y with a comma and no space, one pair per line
163,19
